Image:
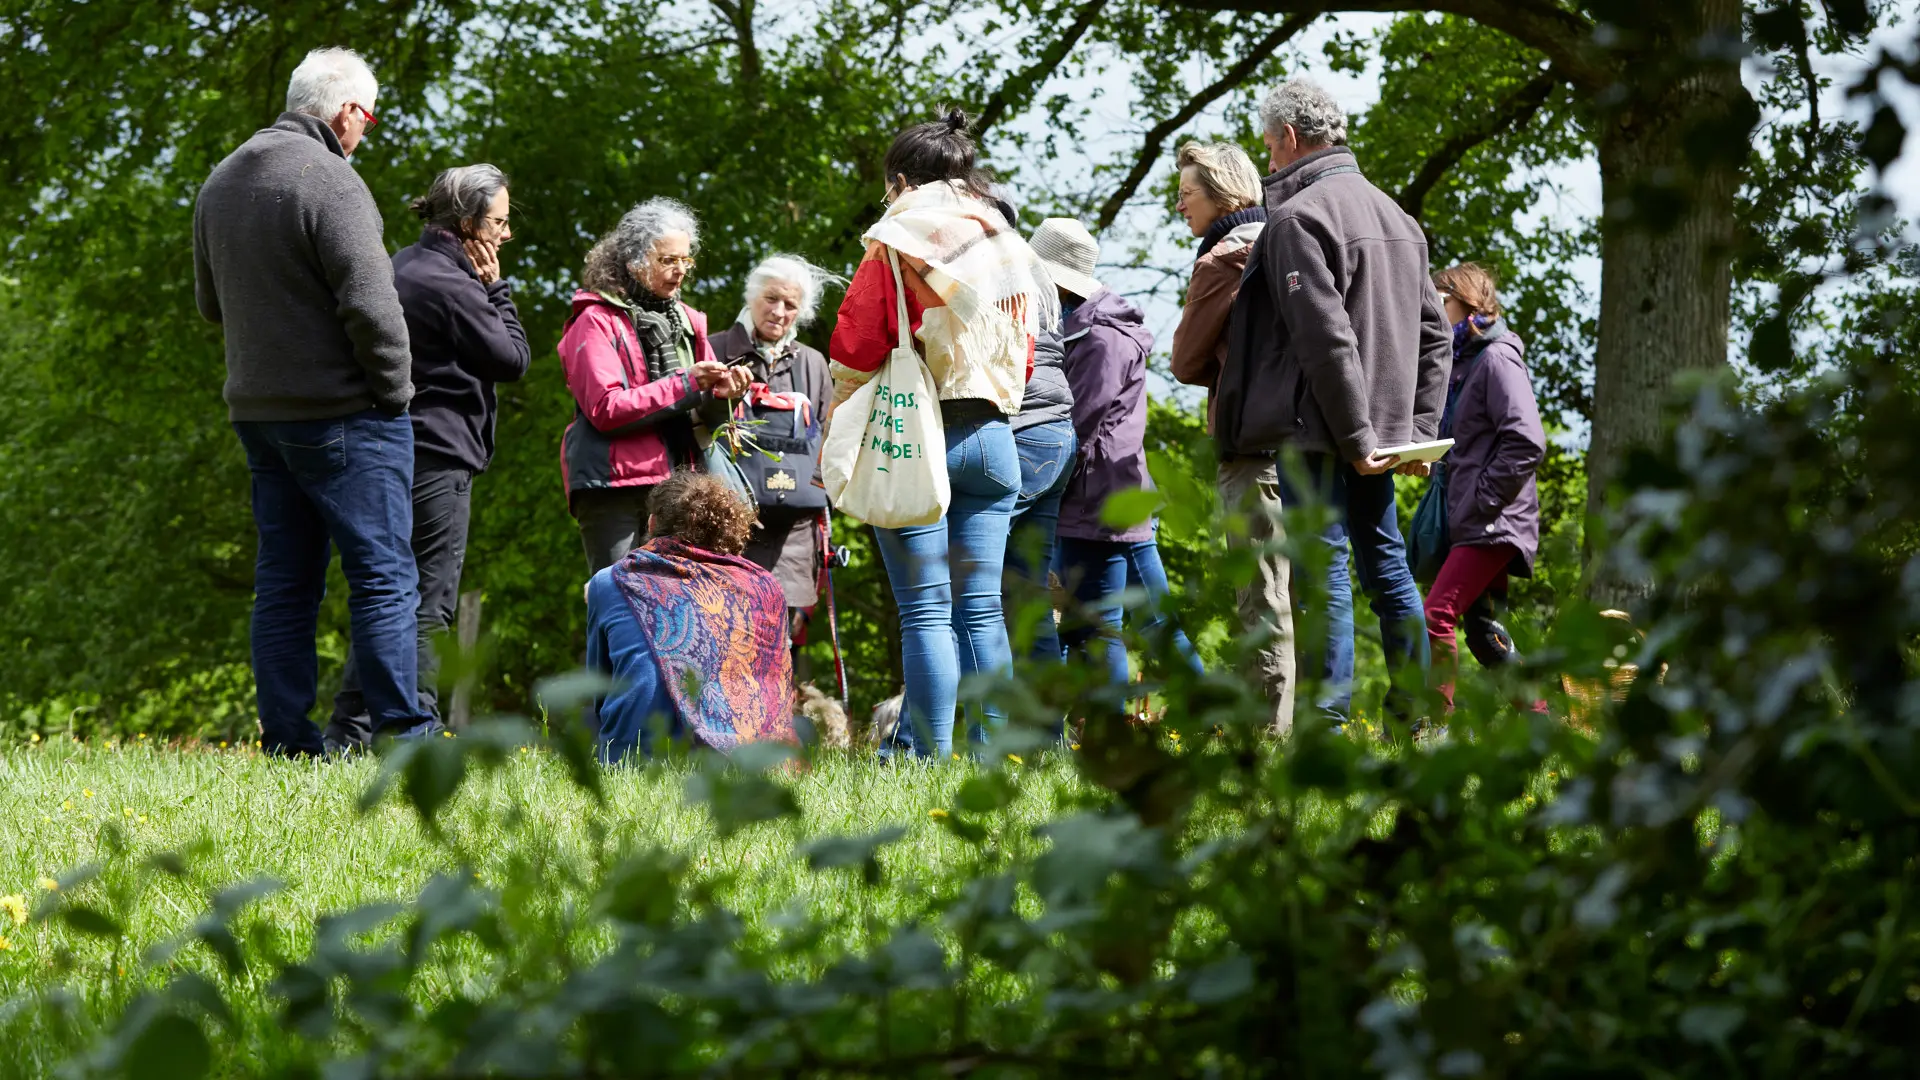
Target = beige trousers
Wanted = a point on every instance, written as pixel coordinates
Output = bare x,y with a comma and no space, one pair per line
1251,486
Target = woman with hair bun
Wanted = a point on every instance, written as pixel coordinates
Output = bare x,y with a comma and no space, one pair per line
465,336
707,673
976,298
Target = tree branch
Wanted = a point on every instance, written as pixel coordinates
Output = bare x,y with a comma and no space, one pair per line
1513,113
738,15
1564,37
1158,134
1810,135
1020,87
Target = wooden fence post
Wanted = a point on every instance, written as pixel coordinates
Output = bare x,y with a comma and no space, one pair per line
467,624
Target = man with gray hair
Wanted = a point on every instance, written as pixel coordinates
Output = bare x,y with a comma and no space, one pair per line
1338,347
288,258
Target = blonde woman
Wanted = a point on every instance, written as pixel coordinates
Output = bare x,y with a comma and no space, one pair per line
976,299
1220,200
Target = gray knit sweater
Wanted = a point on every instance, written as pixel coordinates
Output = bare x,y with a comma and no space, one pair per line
288,257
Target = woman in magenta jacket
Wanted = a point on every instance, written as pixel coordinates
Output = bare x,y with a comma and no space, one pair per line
640,368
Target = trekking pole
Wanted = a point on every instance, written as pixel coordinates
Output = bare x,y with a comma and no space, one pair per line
829,557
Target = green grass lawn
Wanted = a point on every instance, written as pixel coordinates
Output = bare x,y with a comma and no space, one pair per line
235,815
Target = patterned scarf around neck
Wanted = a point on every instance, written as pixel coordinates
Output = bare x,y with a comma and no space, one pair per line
980,266
666,337
1475,332
717,626
1466,329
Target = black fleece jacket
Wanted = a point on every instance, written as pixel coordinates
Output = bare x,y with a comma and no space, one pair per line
466,336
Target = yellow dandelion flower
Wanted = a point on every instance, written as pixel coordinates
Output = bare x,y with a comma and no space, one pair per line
142,735
127,810
5,945
142,819
956,755
67,805
49,884
15,907
1073,746
87,791
936,814
223,744
35,737
46,817
446,734
120,970
1016,759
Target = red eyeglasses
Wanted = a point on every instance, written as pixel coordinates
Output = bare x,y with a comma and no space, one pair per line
370,118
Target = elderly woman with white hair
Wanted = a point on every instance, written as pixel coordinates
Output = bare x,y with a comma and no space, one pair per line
779,453
639,365
465,335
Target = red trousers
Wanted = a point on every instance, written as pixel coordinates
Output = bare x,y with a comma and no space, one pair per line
1468,572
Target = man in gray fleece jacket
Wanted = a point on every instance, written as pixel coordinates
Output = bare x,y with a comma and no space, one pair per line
288,258
1338,347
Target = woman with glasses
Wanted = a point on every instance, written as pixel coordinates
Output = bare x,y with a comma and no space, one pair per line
465,336
976,298
639,365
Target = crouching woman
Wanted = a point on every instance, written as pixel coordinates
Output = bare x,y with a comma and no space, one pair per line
695,635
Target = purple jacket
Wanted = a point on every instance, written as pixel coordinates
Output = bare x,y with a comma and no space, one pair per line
1107,344
1498,444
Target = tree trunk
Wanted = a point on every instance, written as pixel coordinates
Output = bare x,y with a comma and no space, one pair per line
1666,275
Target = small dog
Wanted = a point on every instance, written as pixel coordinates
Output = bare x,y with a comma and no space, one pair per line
886,720
830,723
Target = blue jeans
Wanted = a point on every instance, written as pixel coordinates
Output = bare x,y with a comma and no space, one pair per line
1366,516
1046,464
320,484
1098,572
946,583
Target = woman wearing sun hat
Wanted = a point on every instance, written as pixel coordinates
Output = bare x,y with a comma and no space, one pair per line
1107,344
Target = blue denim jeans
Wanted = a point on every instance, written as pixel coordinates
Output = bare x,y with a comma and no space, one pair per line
1098,572
1366,517
317,485
946,584
1329,659
1046,464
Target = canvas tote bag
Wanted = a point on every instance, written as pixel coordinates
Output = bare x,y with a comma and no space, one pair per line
885,456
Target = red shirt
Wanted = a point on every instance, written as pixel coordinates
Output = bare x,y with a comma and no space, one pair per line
868,325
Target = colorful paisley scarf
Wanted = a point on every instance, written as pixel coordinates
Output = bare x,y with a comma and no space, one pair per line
717,625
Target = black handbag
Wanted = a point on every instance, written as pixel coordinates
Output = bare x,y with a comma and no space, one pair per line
775,439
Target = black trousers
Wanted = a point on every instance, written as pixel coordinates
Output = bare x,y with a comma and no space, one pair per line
442,507
613,521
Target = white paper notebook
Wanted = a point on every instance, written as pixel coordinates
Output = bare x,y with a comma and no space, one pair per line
1418,451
